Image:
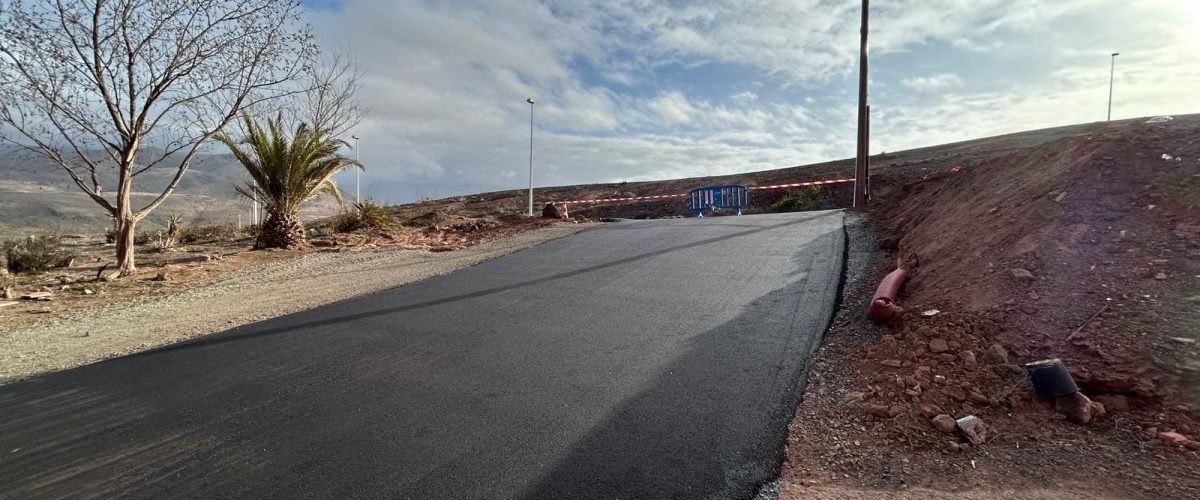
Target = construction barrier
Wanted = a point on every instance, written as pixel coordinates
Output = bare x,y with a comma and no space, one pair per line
713,197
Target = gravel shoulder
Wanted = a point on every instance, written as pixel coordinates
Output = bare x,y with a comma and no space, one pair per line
238,298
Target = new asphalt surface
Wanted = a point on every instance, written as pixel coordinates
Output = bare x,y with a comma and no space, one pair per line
642,359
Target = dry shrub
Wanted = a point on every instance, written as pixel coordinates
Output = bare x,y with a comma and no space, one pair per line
801,199
366,215
205,233
36,254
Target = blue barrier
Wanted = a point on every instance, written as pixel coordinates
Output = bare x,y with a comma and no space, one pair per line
732,196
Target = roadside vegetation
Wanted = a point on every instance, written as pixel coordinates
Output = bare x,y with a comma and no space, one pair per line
36,254
285,171
799,200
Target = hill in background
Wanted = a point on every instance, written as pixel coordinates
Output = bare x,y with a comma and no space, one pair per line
36,196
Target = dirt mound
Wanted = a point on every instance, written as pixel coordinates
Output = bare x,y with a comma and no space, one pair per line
1085,248
1079,249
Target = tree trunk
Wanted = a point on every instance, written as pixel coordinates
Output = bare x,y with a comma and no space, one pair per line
281,230
126,222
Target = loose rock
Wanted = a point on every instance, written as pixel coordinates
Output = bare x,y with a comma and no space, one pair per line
876,410
996,354
967,357
945,423
1078,408
1172,438
937,346
929,411
973,428
1021,275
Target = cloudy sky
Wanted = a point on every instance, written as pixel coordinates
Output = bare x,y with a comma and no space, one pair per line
651,89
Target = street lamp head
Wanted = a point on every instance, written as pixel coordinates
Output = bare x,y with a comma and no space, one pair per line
355,137
529,100
1115,54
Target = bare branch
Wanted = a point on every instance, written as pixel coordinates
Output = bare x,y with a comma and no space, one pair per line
87,78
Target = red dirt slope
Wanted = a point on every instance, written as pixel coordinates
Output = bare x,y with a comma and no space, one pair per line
1109,232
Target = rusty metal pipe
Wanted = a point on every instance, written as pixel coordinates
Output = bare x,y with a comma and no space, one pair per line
883,304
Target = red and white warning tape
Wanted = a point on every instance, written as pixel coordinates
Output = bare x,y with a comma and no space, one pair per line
681,195
800,184
628,198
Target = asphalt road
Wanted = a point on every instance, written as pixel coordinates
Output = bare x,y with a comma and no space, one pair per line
642,359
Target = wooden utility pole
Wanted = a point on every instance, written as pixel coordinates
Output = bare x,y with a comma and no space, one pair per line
861,173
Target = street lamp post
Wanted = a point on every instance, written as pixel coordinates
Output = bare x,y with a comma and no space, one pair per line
357,171
530,101
1111,71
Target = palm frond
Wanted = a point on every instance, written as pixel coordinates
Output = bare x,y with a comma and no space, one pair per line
287,170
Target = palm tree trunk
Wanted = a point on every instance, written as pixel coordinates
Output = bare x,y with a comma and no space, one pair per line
280,230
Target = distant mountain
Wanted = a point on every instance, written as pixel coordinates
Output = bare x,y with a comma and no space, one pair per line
37,196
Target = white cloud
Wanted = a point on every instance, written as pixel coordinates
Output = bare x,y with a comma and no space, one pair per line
446,83
744,97
933,83
673,108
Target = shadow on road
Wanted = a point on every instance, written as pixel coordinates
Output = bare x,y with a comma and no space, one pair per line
254,331
648,446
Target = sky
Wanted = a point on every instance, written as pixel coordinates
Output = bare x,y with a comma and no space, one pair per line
630,90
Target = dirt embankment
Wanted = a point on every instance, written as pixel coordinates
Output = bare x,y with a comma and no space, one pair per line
1084,248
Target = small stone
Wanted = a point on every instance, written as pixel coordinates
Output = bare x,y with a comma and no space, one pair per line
1192,445
894,363
88,291
929,411
1060,197
1172,438
937,346
854,397
1021,275
1034,295
161,276
1160,276
1183,340
978,397
996,354
1078,408
875,410
967,357
973,428
945,423
897,410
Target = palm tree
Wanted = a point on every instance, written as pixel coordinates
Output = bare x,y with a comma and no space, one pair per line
285,172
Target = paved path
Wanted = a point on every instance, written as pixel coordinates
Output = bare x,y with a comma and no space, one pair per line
640,359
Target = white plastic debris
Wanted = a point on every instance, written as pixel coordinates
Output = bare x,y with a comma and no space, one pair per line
931,313
1167,157
1160,119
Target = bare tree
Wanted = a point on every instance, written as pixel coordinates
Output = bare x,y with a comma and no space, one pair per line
114,88
329,101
